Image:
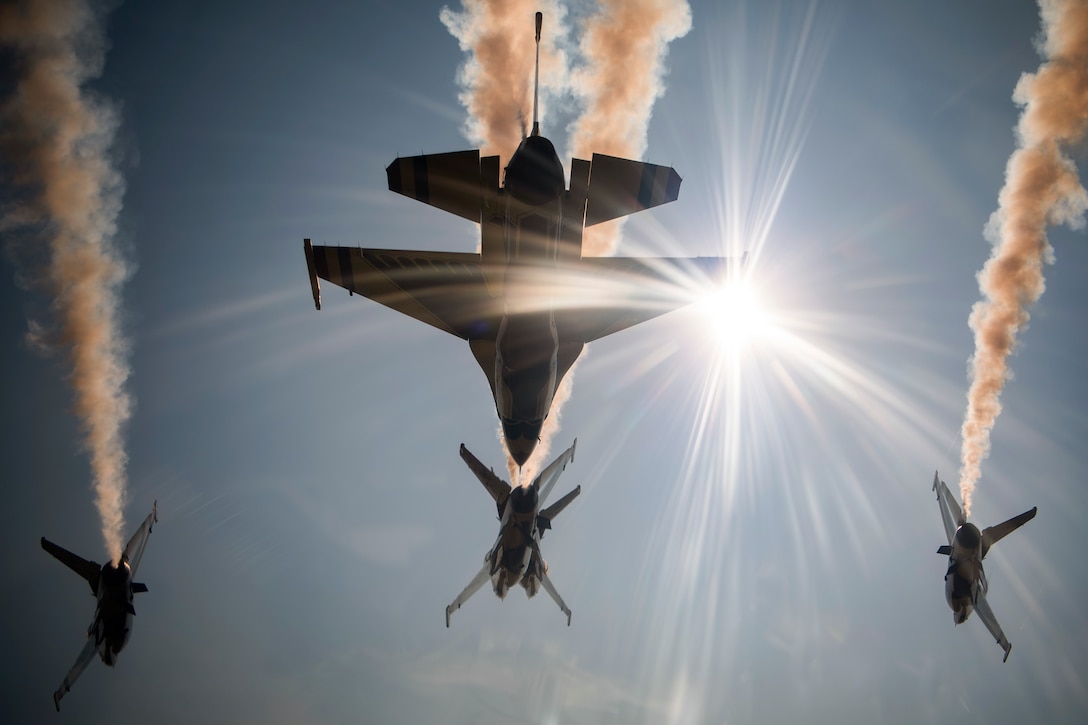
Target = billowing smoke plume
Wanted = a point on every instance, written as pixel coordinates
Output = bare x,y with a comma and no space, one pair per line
497,78
623,49
1041,189
66,198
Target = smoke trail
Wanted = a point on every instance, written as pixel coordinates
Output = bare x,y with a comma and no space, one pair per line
497,78
1041,188
623,46
55,140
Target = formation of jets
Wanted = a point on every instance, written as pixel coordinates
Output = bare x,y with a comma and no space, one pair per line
114,591
527,304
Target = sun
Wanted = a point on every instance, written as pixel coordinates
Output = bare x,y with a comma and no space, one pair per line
735,313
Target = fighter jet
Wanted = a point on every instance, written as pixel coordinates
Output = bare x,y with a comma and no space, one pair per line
528,302
965,584
114,589
515,556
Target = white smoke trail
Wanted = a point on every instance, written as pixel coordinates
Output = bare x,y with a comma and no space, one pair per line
56,140
1041,188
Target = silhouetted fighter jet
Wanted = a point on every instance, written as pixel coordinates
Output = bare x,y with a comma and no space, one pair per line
515,556
965,584
114,589
529,301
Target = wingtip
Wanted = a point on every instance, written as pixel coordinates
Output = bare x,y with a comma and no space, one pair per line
1007,651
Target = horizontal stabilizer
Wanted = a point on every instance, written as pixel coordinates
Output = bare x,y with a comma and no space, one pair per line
618,187
450,182
89,570
945,550
993,534
139,587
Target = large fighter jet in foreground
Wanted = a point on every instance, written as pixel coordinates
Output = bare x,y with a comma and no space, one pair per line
965,583
528,302
114,589
515,557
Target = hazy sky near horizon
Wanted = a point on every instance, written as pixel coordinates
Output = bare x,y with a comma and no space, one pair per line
755,540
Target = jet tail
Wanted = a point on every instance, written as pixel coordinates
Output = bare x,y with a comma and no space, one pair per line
498,488
89,570
992,534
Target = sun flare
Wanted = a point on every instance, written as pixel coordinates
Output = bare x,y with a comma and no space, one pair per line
735,314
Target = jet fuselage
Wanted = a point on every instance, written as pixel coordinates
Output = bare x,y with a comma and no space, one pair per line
965,574
512,556
113,615
527,347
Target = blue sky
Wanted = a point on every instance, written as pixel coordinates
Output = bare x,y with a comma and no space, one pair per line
755,537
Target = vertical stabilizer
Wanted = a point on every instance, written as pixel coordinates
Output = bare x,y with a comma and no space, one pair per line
498,488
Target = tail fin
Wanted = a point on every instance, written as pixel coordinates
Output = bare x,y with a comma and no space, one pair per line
498,488
89,570
993,534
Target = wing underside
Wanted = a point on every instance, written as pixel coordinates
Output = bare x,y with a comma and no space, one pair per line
982,607
603,295
546,582
134,551
547,478
993,534
89,570
473,586
84,659
443,289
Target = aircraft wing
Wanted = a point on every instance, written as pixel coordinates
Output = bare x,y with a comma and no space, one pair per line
993,534
982,606
134,551
618,187
84,659
603,295
450,181
89,570
443,289
473,586
545,481
951,516
550,588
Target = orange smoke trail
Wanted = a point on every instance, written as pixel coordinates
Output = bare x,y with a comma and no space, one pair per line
55,140
497,78
624,46
1041,188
